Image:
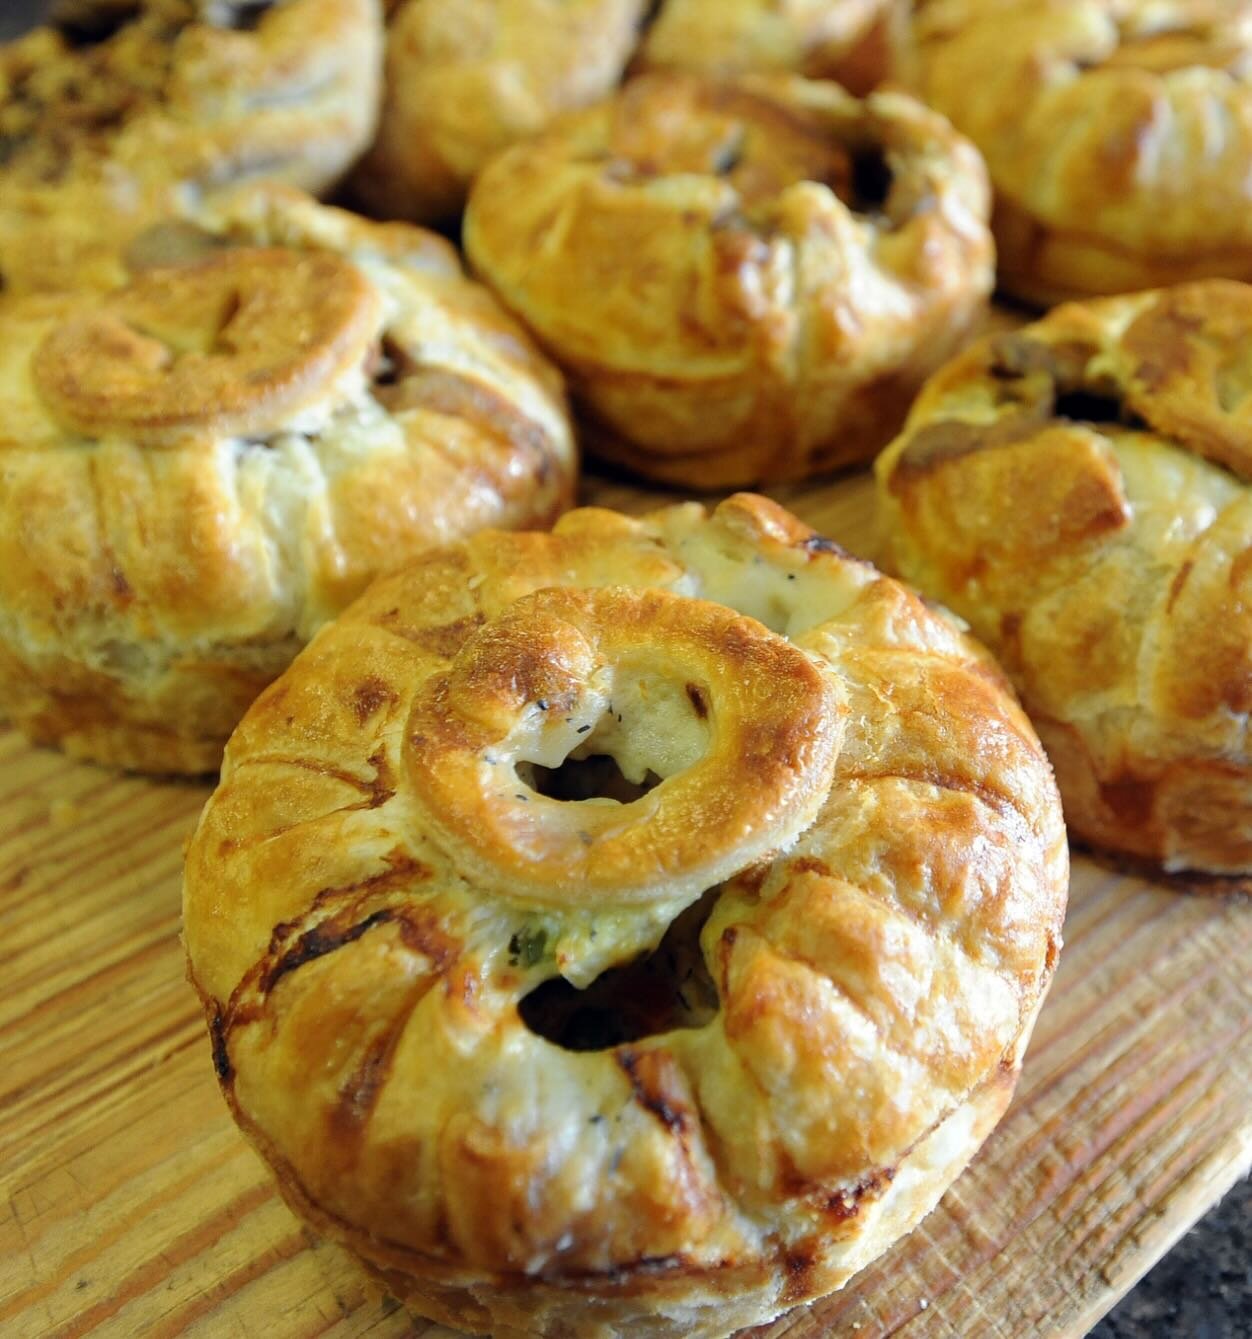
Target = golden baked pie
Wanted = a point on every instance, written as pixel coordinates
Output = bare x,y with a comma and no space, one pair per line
628,930
744,281
201,465
467,78
120,111
1118,134
846,40
1079,491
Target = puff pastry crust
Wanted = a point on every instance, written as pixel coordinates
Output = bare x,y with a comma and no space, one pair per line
420,962
202,464
849,41
121,111
1118,134
467,78
744,281
1079,492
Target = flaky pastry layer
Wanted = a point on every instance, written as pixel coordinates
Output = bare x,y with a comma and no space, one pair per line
849,41
670,1053
202,464
744,281
466,79
1079,492
121,111
1118,134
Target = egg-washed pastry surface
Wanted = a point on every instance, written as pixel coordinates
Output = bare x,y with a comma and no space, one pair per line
628,930
119,111
202,464
1079,491
467,78
1118,134
744,281
848,41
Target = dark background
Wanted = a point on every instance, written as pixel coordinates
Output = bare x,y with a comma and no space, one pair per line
1203,1288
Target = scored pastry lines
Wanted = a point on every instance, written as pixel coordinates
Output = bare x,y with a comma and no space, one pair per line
238,343
703,331
216,470
386,897
1129,415
1116,132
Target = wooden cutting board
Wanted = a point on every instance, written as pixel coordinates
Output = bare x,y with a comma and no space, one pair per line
131,1207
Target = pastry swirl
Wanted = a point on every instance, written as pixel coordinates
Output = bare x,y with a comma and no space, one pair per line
743,281
628,930
203,464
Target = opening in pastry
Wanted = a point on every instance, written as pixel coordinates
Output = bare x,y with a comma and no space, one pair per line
653,728
1095,402
242,15
387,366
1055,381
663,990
92,22
598,777
871,180
1086,406
728,156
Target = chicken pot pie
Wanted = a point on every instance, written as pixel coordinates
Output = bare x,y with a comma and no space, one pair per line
201,465
1118,134
744,281
603,933
1079,491
120,111
467,78
849,41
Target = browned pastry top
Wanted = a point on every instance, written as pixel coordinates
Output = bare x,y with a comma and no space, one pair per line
1118,133
774,744
236,344
467,78
844,40
204,462
1079,492
594,925
119,111
743,279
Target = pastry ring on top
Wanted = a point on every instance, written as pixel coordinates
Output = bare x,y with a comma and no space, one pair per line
744,281
1079,491
1148,180
467,78
200,466
848,41
591,957
122,111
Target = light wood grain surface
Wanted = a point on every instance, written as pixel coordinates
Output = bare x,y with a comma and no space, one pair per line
130,1207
